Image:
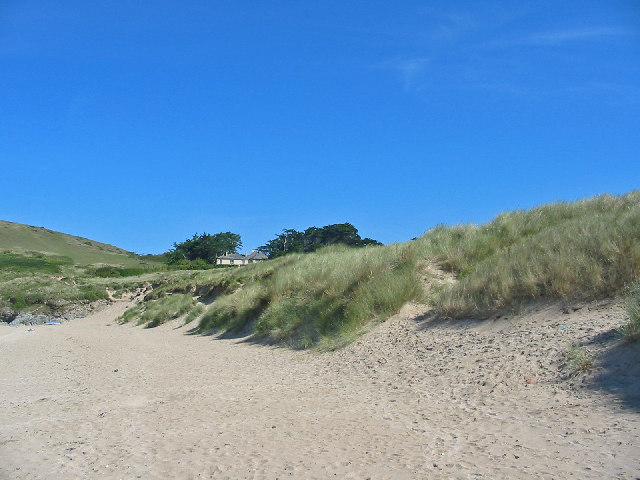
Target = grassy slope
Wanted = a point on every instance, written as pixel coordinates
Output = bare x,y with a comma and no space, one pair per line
43,271
19,238
573,251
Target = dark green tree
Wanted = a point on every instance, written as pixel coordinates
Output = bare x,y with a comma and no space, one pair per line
289,241
313,238
206,247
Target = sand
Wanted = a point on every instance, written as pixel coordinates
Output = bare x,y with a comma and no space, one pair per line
413,398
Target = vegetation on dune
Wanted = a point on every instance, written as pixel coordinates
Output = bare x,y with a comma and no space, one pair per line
42,293
572,251
32,261
114,271
326,295
300,299
36,282
575,251
156,312
579,359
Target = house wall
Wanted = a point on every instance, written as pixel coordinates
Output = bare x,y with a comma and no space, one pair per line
224,261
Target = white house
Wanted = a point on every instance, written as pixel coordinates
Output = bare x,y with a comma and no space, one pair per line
239,259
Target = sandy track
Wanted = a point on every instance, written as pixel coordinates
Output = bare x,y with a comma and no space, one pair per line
411,399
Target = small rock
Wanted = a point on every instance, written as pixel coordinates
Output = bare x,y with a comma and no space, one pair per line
7,314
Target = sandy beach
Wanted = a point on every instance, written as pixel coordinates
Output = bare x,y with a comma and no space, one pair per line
413,398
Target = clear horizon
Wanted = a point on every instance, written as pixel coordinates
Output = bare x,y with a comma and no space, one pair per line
139,126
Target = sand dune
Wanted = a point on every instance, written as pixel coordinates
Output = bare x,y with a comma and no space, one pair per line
414,398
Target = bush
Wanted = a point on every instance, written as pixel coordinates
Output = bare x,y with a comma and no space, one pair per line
92,293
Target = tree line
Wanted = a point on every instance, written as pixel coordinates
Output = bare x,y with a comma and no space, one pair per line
205,248
313,238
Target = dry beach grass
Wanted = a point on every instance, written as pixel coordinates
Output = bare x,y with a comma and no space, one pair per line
415,397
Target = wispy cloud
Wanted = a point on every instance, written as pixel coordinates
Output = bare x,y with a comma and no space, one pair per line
410,69
487,49
572,35
559,37
619,92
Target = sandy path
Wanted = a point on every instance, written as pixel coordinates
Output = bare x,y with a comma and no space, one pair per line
91,399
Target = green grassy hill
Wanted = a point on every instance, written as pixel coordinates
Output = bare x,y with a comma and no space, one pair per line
43,271
19,238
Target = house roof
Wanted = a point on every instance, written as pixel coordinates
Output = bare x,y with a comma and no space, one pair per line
232,256
238,256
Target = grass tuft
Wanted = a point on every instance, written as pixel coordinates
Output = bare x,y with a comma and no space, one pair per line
579,359
631,329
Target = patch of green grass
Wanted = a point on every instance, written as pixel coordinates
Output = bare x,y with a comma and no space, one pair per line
113,271
235,310
131,314
19,238
579,359
92,293
44,289
33,262
631,328
195,313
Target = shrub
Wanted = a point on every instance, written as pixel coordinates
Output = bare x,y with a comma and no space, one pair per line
92,293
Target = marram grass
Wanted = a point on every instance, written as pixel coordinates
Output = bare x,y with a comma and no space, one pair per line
572,251
156,312
325,294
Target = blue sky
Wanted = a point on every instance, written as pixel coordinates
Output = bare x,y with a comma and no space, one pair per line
141,123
